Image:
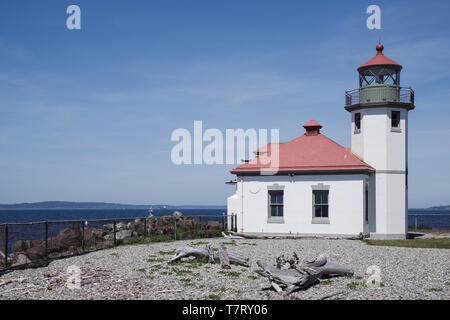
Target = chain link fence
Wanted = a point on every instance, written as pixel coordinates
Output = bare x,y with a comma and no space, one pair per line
36,243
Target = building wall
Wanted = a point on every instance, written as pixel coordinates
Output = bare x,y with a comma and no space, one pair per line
346,204
385,149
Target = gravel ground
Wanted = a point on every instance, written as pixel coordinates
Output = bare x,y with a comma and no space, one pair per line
140,272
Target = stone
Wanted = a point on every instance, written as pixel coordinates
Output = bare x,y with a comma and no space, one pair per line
213,225
108,227
124,234
120,226
19,246
21,259
36,253
177,214
67,238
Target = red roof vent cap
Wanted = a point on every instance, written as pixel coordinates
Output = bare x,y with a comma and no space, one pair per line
312,128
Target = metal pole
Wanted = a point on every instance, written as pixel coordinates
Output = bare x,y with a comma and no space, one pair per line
6,246
175,228
235,223
114,231
46,240
223,221
82,236
145,228
415,220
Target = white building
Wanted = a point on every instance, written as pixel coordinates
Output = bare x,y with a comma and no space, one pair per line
322,188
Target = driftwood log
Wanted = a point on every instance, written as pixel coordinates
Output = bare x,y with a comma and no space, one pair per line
290,274
223,257
208,252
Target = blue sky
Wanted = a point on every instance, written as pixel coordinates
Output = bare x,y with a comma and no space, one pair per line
86,115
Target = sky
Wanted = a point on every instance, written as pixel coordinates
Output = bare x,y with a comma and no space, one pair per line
87,115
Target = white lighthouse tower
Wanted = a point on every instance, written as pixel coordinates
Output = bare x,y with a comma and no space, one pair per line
379,136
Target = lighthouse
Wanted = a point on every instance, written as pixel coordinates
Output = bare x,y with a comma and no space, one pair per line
379,137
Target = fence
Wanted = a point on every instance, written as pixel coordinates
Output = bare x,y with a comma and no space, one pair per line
429,221
37,243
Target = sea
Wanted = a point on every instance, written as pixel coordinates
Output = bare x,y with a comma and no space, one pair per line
435,219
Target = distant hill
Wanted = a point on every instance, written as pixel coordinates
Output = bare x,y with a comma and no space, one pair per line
440,208
49,205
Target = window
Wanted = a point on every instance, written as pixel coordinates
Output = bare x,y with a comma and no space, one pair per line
357,122
276,203
320,202
395,119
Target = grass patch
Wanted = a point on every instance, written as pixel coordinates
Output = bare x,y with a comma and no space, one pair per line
155,260
199,243
252,277
230,243
327,281
171,252
358,278
447,283
435,289
231,274
142,270
441,243
353,285
181,272
213,297
249,244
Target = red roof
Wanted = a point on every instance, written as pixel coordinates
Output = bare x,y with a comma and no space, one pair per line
311,152
380,59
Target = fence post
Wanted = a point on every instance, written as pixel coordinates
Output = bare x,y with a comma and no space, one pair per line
223,221
6,246
145,228
46,240
114,231
415,221
235,223
82,236
175,228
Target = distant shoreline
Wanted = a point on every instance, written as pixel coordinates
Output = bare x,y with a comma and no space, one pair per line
68,205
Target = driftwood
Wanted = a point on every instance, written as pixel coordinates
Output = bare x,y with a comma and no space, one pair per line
223,257
237,235
210,253
229,236
290,274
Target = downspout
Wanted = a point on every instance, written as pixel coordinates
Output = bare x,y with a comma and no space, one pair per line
242,204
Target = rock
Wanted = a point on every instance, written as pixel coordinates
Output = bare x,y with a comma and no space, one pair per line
36,253
213,225
130,225
21,259
177,214
108,227
19,246
67,238
124,234
120,226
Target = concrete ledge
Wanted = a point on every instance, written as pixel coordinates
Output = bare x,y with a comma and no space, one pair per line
387,236
302,235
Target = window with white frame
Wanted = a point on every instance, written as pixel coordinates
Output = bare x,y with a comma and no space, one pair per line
320,203
276,203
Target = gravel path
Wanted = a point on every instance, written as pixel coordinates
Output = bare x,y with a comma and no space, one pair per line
140,272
